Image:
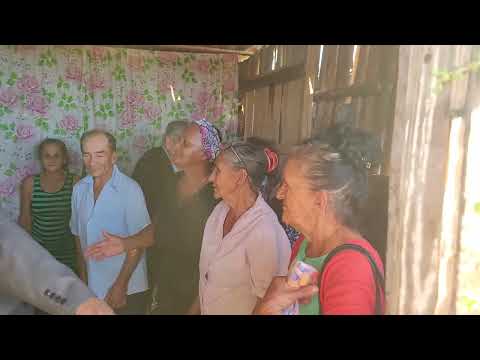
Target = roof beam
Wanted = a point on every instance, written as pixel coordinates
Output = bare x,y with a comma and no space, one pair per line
188,48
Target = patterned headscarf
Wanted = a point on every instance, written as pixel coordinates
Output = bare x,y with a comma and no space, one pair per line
210,139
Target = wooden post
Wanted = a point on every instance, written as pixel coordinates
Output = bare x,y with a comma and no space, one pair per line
418,255
311,68
450,245
386,102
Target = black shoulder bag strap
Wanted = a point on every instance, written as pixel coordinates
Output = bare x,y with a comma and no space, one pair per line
379,281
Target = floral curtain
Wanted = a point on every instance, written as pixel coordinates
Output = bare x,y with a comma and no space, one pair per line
61,91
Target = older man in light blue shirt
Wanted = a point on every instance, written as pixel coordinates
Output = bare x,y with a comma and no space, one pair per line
109,202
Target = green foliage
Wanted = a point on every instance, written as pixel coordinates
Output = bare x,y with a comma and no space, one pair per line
10,135
120,107
47,59
42,123
85,121
105,111
4,110
477,208
11,169
188,76
161,98
147,95
62,84
12,79
188,58
119,73
157,123
176,111
122,134
444,77
60,131
220,122
190,107
9,131
83,90
50,95
469,303
66,102
213,65
107,95
148,63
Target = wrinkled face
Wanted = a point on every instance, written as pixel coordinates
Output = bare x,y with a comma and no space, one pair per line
225,178
189,151
299,202
98,157
52,158
173,145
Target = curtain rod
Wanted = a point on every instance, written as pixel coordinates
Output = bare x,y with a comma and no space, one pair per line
187,48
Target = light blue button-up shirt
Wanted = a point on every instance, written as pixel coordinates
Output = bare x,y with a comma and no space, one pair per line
120,210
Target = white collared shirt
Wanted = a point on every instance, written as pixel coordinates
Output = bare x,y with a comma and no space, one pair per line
237,269
120,210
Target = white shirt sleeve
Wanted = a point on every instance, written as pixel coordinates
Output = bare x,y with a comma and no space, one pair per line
264,257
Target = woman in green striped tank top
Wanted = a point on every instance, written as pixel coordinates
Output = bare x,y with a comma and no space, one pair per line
46,203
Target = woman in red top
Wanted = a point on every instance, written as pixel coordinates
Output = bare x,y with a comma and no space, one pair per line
324,185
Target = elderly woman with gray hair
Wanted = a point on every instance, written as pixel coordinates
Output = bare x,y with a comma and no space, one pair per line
323,190
244,246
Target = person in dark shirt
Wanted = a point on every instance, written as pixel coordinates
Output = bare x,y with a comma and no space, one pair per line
155,167
179,232
155,173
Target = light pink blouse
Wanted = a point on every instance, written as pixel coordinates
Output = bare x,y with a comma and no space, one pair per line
238,268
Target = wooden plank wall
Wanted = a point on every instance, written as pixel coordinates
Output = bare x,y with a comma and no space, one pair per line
370,68
325,82
364,76
275,92
276,88
425,206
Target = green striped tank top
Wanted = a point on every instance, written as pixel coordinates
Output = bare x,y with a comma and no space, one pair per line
51,221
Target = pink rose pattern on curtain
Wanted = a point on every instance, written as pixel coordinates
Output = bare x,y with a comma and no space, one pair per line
60,92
